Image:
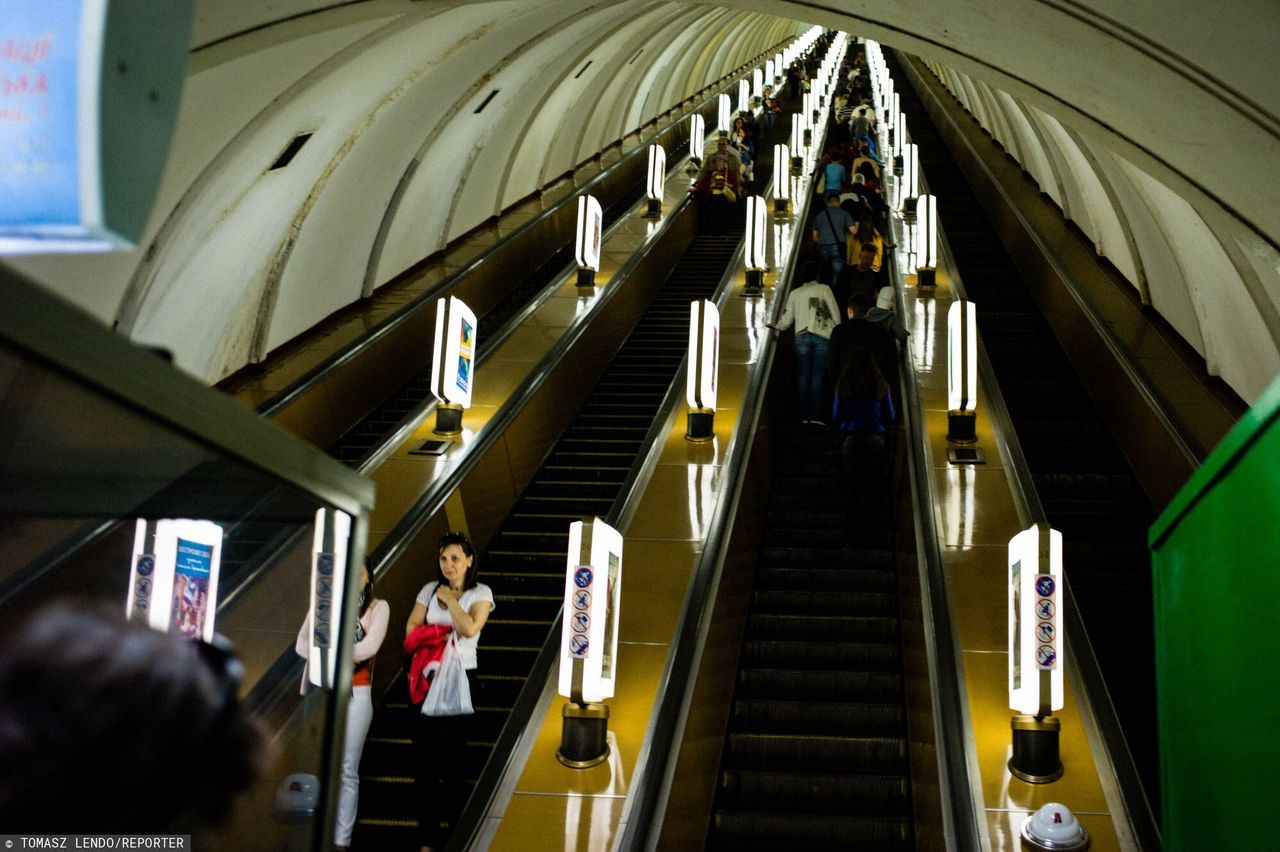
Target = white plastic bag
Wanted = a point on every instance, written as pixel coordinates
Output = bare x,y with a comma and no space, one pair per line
450,693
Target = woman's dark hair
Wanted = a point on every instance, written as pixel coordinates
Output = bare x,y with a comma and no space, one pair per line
861,378
459,538
866,230
366,593
114,728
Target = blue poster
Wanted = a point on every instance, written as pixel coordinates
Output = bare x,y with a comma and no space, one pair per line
191,574
39,124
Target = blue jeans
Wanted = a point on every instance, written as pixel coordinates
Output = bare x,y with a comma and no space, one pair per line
811,361
833,257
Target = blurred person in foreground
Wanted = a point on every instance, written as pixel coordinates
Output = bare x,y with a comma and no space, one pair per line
108,727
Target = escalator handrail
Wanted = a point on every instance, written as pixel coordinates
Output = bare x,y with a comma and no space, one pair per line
308,380
1030,510
957,765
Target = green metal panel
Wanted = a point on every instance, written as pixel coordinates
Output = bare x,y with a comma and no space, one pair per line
1217,596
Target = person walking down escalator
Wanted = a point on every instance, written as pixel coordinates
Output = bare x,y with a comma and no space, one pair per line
450,611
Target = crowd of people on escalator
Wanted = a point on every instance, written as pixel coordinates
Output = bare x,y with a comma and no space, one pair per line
842,311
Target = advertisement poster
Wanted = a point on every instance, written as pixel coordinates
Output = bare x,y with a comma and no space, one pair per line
466,355
192,570
1015,646
610,645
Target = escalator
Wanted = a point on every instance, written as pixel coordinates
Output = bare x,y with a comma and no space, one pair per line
816,751
524,562
372,432
1087,489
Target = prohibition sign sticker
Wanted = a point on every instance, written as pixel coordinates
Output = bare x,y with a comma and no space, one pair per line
582,599
580,622
1045,631
1045,585
1045,609
578,646
582,577
1046,656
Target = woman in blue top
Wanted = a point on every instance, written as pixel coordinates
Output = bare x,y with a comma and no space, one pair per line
863,410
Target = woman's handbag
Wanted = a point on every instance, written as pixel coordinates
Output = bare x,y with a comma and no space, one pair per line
450,693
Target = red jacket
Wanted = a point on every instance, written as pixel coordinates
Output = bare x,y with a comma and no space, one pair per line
426,643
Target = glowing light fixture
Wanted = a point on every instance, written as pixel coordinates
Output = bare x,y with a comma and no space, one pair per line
697,138
656,184
910,178
704,368
926,241
589,641
753,255
799,143
757,83
1036,647
962,372
725,112
173,578
744,95
587,241
781,178
453,363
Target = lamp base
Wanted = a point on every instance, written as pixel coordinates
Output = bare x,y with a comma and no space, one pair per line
583,735
702,422
779,206
897,165
586,277
654,210
1036,757
755,283
807,137
797,166
909,206
926,276
448,419
962,427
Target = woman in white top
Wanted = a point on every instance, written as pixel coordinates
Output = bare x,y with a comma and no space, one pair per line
371,629
812,308
454,599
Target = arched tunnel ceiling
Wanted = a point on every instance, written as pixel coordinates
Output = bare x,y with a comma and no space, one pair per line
1183,94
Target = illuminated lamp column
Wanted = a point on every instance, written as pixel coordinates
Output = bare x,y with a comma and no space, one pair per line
656,184
697,138
962,372
781,179
799,142
744,95
1035,652
453,363
926,247
724,113
898,141
587,240
753,254
757,84
329,548
769,66
175,565
779,68
589,641
704,367
910,178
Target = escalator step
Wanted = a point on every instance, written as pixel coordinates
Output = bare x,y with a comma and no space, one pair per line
856,656
733,830
831,717
808,753
807,792
878,687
